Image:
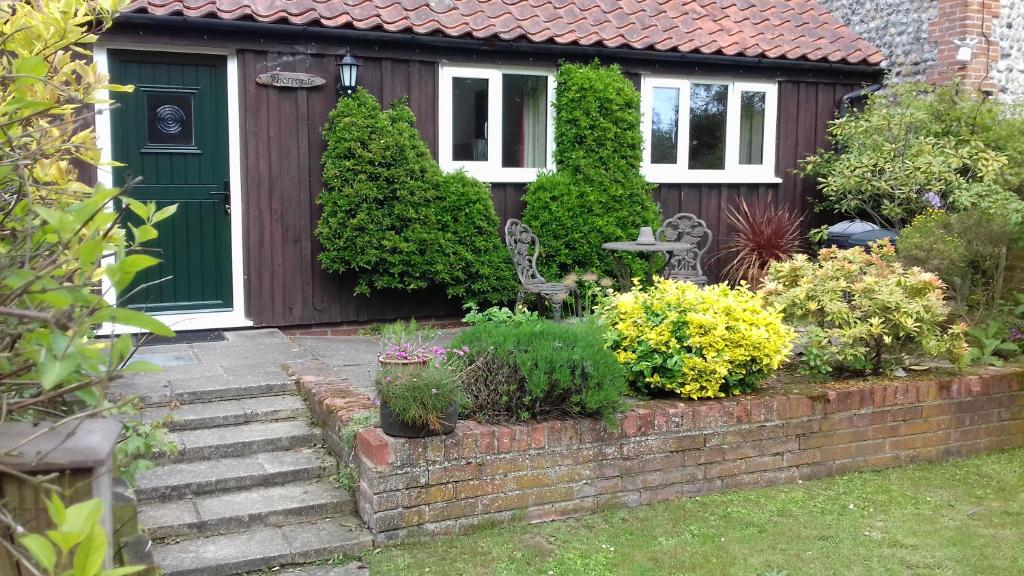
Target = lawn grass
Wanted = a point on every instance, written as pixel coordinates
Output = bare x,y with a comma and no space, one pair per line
961,517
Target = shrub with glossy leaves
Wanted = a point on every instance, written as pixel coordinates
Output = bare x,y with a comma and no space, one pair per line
861,311
393,219
696,342
536,368
914,145
598,194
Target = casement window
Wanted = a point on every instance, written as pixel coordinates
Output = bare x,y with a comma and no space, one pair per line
496,123
709,131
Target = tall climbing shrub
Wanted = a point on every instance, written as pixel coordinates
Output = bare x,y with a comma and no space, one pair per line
597,194
393,219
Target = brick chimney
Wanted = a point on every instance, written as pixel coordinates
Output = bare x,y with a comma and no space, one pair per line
965,22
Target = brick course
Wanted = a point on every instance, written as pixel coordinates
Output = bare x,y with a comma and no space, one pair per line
537,472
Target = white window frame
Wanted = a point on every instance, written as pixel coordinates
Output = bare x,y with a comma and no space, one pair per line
734,172
490,170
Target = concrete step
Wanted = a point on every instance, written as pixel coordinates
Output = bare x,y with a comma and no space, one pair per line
201,385
228,512
262,548
227,412
244,439
203,477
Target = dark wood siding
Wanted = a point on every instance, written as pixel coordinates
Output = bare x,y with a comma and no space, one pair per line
282,146
282,177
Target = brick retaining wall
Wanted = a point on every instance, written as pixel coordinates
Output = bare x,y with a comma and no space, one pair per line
670,449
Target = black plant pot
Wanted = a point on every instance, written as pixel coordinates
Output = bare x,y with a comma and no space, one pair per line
392,426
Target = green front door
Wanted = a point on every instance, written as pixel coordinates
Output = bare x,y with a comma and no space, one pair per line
172,131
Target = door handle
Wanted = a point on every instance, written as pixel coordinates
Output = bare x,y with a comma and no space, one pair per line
225,193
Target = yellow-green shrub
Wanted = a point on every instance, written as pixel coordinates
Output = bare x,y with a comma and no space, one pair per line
697,342
862,311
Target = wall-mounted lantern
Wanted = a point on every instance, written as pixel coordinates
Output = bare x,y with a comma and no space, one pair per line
349,74
965,50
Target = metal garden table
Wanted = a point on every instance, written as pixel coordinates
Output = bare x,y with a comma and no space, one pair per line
652,250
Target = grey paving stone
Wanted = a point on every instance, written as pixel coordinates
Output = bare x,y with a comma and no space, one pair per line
342,350
164,349
227,412
326,539
238,510
229,386
224,555
356,568
204,477
168,358
244,439
155,517
149,391
263,335
262,548
278,462
245,353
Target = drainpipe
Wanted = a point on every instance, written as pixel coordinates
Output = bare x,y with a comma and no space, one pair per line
856,96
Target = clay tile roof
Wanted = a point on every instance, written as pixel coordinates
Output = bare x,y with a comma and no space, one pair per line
792,29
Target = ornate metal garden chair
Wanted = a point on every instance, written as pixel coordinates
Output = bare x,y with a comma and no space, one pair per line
685,265
525,247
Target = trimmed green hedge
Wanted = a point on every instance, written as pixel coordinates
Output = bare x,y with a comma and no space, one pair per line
597,194
393,219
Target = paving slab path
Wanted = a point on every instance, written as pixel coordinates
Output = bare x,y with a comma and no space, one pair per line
355,357
251,486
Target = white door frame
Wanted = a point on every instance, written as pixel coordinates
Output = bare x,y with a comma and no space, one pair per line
235,318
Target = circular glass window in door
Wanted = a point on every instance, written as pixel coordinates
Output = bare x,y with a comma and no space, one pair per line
169,119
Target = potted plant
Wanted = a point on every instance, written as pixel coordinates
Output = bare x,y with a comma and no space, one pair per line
420,400
405,345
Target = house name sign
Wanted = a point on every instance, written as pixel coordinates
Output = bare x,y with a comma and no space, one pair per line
289,80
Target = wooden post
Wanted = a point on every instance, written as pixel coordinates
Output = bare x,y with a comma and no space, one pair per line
80,452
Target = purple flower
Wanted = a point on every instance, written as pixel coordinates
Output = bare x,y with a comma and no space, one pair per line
933,199
1016,335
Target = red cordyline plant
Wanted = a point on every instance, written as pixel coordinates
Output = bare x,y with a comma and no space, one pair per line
765,232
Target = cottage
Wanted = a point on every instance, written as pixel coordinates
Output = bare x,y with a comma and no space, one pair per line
231,96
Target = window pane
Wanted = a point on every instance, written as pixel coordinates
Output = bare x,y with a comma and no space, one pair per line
524,121
469,119
169,118
708,104
665,126
752,127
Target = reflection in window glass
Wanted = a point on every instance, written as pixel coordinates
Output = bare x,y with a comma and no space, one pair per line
708,104
169,118
524,109
665,126
752,127
469,119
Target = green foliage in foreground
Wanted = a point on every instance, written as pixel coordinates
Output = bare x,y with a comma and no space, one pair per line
393,219
598,194
77,546
963,518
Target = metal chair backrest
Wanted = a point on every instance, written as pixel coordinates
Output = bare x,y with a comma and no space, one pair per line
688,229
525,247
